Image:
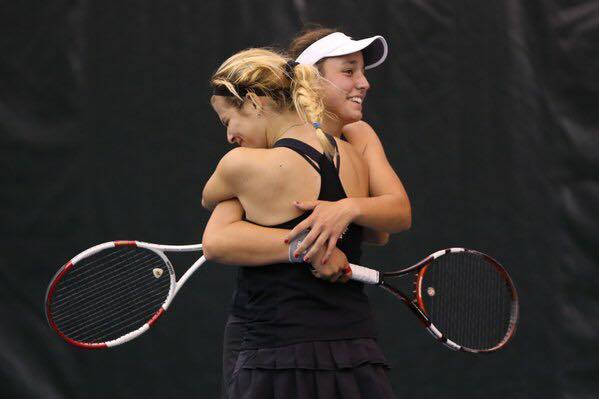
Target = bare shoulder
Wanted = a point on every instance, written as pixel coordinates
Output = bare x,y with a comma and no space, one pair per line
360,135
349,153
346,147
241,160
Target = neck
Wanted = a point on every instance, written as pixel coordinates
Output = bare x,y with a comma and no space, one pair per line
333,126
282,125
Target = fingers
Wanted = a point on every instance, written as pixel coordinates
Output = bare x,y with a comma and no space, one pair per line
347,273
335,277
320,241
330,247
342,276
306,243
303,225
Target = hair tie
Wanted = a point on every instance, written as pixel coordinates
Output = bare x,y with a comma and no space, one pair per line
316,125
289,68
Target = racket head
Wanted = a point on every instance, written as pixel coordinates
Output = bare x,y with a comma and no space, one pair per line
469,299
109,294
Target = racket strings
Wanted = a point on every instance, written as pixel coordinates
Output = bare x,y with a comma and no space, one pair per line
116,312
109,327
87,309
96,264
102,284
468,300
109,294
99,318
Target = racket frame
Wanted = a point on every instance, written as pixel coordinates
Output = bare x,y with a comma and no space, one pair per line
416,305
159,250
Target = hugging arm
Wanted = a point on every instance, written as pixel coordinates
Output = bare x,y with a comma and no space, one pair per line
230,240
387,210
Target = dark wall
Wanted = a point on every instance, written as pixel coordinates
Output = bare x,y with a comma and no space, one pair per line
487,110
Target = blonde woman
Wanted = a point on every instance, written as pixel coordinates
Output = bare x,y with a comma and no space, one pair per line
302,336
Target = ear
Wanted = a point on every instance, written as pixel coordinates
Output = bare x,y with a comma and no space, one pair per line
255,102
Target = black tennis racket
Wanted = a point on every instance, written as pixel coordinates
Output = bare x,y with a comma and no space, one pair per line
464,298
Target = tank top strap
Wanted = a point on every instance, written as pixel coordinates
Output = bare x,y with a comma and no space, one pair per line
309,153
337,162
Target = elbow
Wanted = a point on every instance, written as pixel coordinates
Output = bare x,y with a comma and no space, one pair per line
210,247
382,239
405,219
376,238
209,206
206,204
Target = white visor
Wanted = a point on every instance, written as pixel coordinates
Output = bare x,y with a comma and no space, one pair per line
374,49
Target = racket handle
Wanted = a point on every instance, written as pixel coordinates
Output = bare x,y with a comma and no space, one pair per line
364,274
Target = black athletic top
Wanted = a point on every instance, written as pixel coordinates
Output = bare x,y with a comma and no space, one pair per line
284,303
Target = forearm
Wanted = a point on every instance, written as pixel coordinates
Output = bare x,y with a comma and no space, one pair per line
389,213
230,240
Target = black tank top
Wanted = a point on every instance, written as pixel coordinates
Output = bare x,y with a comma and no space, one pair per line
284,303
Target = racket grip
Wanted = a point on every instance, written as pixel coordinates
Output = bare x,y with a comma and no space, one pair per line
364,274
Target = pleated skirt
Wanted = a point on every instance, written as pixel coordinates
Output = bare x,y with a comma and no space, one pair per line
348,369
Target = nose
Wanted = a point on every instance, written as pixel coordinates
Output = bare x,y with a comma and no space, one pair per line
230,138
363,83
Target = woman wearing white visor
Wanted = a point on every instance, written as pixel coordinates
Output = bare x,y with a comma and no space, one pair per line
342,61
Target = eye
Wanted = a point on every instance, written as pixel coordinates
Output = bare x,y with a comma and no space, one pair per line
348,72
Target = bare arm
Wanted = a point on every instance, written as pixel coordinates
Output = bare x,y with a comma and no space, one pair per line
387,210
388,207
228,178
230,240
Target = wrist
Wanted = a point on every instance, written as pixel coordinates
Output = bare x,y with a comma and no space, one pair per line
296,242
352,208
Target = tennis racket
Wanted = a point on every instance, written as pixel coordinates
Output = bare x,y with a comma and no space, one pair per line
113,292
464,298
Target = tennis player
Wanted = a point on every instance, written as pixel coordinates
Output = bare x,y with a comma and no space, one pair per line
303,337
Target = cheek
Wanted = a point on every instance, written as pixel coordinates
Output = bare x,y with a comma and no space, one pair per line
333,98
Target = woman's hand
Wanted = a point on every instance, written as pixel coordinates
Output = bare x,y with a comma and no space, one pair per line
328,221
336,269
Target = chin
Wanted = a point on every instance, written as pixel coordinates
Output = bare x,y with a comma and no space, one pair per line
351,117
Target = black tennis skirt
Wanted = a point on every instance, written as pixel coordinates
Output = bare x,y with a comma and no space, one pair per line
348,369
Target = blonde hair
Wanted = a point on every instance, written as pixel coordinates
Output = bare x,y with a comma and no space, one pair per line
265,72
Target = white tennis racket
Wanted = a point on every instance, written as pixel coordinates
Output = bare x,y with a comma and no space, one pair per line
113,292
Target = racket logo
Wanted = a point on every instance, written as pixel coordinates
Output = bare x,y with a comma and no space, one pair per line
430,291
157,272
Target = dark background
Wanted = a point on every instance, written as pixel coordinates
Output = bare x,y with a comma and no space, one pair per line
488,110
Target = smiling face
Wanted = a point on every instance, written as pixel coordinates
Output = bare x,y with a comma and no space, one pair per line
244,127
345,95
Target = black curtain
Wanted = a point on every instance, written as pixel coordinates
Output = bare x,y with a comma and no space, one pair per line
487,110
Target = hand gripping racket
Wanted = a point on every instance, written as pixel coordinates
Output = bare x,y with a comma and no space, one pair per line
464,298
113,292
